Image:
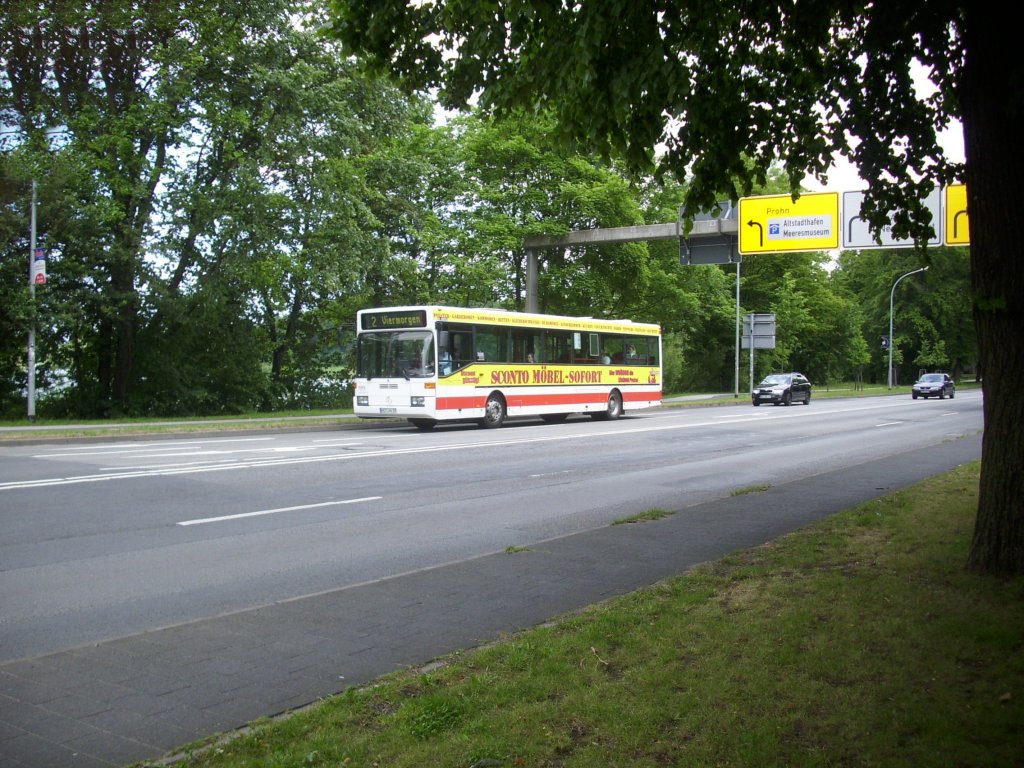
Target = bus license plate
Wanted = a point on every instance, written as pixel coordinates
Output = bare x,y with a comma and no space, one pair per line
389,410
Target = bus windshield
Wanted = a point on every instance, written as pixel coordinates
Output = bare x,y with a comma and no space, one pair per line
409,354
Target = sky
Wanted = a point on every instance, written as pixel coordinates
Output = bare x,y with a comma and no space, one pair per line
844,178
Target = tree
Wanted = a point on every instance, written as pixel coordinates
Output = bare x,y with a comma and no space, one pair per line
522,177
73,225
818,325
731,88
931,311
695,305
118,82
226,187
519,183
15,189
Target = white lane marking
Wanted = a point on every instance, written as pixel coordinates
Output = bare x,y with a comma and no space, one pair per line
888,423
208,452
165,465
97,450
496,441
241,515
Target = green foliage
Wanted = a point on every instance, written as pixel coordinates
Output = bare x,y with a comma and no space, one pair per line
519,183
759,488
798,81
719,95
673,364
430,715
932,326
206,203
213,367
213,230
644,517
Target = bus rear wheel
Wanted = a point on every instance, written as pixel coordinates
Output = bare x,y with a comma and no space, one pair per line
614,408
494,412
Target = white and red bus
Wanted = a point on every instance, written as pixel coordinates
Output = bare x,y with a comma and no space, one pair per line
431,364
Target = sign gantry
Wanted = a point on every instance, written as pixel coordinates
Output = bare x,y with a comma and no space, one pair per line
816,222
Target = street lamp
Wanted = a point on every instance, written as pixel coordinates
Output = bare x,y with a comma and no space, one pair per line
32,327
36,274
892,293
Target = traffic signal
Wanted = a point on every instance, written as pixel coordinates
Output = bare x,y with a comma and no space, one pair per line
885,342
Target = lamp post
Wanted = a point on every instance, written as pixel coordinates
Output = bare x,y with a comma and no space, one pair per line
32,328
892,293
36,274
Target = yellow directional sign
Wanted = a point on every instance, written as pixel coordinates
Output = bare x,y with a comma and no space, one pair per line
778,223
957,230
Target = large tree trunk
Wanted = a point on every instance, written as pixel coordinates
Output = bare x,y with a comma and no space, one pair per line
993,119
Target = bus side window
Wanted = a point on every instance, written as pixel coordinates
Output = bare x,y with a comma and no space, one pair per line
491,344
520,346
641,351
558,347
612,349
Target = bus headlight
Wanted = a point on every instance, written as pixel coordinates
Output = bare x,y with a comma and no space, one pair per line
362,400
418,401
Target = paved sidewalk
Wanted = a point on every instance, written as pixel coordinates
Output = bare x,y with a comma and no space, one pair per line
141,697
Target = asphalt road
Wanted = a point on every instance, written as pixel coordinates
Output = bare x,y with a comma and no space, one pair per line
141,544
107,539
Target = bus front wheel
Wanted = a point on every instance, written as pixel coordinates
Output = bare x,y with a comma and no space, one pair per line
614,408
494,411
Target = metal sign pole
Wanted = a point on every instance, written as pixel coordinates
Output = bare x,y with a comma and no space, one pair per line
751,352
32,324
737,377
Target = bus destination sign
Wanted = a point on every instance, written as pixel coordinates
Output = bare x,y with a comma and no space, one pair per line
377,321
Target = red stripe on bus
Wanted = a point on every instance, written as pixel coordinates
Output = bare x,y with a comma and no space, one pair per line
631,397
455,403
516,400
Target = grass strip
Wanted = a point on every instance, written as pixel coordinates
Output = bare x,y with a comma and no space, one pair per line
857,641
643,517
11,430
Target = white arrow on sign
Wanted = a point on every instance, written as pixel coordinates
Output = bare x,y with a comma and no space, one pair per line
857,235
